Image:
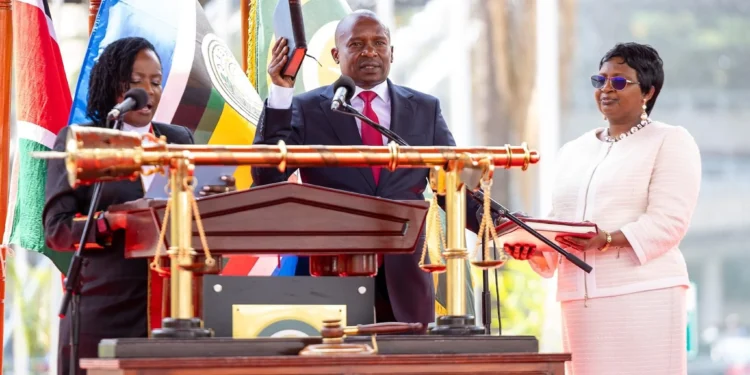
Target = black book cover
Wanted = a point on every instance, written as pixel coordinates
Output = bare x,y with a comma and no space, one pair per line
288,23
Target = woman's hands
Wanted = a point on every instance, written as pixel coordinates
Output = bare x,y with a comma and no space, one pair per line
520,251
523,251
598,242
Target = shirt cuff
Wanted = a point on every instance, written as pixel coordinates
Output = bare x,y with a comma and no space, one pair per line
280,97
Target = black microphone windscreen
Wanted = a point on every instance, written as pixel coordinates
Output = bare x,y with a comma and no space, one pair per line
139,96
348,83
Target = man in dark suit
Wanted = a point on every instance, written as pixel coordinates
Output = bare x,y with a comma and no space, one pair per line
363,50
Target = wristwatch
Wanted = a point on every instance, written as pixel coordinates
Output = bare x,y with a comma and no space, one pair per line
609,241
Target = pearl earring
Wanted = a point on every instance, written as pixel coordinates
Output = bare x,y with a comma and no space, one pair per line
644,115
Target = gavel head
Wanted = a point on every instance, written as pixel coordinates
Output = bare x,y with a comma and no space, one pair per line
332,332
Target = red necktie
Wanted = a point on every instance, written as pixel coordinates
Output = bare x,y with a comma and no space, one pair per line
370,136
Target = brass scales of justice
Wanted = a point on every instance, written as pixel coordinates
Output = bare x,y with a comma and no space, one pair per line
97,154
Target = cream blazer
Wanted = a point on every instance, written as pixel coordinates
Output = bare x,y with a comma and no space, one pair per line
646,186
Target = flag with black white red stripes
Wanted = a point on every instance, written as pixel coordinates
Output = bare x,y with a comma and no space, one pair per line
43,103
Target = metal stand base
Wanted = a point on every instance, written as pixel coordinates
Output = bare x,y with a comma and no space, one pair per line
456,325
181,329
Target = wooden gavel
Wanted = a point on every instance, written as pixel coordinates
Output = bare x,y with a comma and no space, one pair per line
332,329
333,337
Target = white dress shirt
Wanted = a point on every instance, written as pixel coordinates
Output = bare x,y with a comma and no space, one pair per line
281,98
146,180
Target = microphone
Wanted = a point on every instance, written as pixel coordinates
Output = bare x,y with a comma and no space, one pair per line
135,99
343,91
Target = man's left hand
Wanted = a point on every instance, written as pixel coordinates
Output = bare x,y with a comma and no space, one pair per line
584,244
229,185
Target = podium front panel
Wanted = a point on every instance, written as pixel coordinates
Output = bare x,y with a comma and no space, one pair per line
249,306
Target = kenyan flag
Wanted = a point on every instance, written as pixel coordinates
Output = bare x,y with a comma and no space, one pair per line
42,104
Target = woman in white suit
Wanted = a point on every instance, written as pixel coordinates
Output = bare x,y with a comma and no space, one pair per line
638,180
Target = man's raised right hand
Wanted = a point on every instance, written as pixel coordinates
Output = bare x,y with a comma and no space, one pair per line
278,61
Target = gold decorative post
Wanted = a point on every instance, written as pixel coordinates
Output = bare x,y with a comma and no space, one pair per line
455,252
181,251
244,26
182,323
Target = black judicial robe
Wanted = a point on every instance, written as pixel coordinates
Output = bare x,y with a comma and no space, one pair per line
115,291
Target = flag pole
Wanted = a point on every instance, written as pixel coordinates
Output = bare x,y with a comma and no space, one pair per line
93,10
6,59
244,20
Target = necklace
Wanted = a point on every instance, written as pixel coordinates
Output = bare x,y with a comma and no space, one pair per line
641,125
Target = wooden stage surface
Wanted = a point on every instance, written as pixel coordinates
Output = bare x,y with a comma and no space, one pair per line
506,363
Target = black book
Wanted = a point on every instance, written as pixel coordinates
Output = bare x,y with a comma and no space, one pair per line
288,23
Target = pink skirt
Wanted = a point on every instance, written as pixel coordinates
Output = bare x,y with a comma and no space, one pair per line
640,334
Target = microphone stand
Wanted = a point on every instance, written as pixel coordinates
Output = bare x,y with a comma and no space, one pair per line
478,196
486,310
71,301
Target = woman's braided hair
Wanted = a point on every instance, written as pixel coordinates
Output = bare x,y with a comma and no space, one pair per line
111,75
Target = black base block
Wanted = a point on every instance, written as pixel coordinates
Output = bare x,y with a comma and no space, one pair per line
181,329
387,344
456,325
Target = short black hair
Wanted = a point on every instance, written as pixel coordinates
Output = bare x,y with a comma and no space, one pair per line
647,64
355,15
110,77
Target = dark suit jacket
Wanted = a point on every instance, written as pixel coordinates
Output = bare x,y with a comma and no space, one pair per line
417,118
114,290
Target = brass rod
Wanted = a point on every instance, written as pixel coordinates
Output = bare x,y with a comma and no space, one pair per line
324,156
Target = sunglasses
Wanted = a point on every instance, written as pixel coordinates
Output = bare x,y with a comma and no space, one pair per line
618,83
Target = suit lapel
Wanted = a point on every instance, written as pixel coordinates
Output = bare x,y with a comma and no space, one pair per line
156,127
402,117
345,129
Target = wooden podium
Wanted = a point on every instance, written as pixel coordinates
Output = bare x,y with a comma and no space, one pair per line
341,232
